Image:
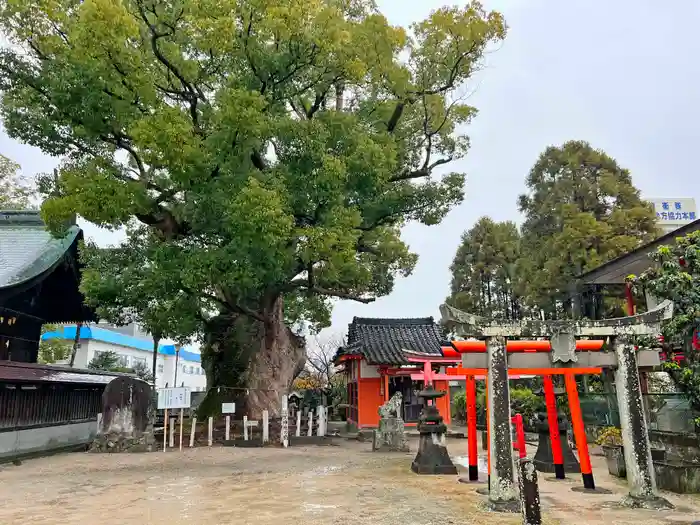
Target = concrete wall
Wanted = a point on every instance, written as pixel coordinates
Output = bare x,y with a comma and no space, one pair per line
17,443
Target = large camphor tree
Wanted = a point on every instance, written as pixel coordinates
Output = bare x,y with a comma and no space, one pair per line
262,155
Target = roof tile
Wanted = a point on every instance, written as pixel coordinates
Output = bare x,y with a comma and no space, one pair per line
386,341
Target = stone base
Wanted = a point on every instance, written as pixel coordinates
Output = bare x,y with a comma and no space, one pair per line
115,443
301,441
389,440
544,460
509,506
597,490
656,503
432,457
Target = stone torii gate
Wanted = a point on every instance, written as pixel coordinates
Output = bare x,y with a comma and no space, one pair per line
562,335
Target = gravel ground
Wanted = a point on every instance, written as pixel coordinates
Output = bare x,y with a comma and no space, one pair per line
346,484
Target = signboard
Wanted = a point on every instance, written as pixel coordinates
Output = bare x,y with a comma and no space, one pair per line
172,398
675,212
252,423
228,408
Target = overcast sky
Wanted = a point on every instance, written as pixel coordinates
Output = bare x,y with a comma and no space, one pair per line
620,74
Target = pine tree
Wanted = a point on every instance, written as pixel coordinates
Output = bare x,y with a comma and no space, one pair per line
483,271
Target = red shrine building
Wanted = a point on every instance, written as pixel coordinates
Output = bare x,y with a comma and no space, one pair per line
385,356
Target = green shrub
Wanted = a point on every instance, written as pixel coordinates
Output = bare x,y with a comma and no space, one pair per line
459,406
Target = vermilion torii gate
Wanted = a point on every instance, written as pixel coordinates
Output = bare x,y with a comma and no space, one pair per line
470,375
496,355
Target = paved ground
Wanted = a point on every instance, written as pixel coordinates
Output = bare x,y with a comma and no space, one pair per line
320,485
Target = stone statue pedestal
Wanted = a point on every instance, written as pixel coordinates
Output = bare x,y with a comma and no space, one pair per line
544,459
432,457
390,436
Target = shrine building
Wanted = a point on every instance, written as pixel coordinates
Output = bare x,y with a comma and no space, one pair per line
385,356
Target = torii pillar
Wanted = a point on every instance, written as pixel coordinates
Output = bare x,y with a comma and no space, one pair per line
503,492
635,435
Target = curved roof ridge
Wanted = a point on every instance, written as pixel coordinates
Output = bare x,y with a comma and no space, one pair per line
393,321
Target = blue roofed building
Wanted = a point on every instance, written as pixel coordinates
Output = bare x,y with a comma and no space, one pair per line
174,366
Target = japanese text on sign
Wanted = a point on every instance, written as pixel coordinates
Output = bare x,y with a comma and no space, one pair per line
171,398
675,210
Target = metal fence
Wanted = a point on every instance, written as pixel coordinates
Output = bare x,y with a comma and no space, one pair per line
664,412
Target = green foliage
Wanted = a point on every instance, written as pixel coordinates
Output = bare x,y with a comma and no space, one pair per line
524,401
676,277
15,193
484,276
54,349
255,149
143,371
108,361
581,210
609,437
459,406
111,362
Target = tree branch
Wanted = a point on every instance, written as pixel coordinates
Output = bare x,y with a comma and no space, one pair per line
304,284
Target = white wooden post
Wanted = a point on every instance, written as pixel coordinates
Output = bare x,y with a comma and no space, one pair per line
194,425
310,430
165,430
182,422
172,432
228,427
284,426
298,431
211,431
319,420
265,426
245,428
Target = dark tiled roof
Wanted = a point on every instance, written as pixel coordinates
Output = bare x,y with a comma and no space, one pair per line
391,341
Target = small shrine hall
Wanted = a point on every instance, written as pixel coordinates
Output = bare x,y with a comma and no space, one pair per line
385,356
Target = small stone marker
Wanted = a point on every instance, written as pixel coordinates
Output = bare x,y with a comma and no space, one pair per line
211,431
171,441
265,426
194,425
245,428
228,427
297,433
284,427
310,430
529,493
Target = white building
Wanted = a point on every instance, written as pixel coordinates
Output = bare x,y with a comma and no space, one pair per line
134,346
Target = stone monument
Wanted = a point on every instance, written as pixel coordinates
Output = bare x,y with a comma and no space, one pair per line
432,457
124,426
390,436
544,457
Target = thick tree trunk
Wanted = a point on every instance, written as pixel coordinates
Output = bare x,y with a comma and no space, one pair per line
249,362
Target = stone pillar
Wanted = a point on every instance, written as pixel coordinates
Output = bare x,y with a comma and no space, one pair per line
529,493
503,494
284,425
635,435
265,426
